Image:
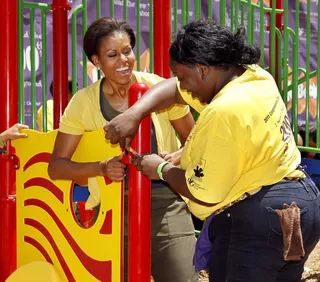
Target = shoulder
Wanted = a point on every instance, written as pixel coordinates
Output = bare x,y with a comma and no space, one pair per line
148,78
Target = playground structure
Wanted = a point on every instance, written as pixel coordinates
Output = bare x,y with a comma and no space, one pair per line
280,39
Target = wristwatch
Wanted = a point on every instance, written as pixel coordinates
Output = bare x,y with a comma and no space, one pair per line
160,168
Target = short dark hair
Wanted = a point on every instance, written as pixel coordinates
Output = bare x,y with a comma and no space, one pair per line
207,43
69,86
102,27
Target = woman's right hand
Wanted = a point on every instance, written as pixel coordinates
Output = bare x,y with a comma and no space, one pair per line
123,128
113,168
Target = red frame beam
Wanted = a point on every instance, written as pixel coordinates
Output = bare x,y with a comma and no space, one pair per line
162,37
8,117
280,27
139,226
60,10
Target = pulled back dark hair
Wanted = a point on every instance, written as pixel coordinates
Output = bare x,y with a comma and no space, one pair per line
102,27
207,43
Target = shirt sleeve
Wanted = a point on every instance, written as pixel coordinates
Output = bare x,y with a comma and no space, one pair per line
72,120
193,102
217,163
178,111
39,119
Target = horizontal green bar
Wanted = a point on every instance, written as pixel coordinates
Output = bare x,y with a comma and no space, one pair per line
309,149
302,79
42,6
266,9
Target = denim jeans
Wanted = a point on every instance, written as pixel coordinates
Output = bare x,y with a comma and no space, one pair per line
247,238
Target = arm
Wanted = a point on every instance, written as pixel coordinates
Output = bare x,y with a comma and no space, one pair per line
61,166
13,133
159,97
183,126
123,128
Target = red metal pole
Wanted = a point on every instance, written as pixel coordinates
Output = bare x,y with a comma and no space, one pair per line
60,58
162,37
280,27
139,245
8,117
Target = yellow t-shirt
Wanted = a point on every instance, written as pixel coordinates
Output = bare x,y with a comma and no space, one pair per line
241,142
83,114
49,116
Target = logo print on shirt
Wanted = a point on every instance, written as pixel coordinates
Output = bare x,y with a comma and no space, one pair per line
198,172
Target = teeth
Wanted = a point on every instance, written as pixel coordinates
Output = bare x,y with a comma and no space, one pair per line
123,69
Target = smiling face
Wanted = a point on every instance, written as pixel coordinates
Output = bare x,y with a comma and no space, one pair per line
115,57
194,80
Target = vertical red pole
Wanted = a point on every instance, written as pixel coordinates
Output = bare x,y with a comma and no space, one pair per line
60,58
280,27
139,249
162,37
8,117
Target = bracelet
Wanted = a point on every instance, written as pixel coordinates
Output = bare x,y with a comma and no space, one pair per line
160,168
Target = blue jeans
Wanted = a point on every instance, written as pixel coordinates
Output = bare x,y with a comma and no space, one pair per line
247,238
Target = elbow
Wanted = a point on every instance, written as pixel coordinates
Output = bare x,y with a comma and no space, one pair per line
52,172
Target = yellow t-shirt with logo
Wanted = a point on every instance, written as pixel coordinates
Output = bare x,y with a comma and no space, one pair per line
241,142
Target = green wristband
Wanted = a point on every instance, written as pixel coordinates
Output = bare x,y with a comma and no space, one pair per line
159,169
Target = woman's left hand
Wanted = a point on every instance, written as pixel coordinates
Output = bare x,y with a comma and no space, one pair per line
148,165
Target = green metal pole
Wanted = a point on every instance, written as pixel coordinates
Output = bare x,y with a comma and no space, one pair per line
125,10
84,57
44,69
272,43
21,62
188,9
98,15
307,109
138,28
210,8
151,39
111,8
250,23
198,9
232,16
33,70
98,9
318,88
74,47
261,33
183,12
285,52
175,16
295,74
223,6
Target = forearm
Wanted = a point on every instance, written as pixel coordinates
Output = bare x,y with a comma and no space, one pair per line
159,97
62,168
